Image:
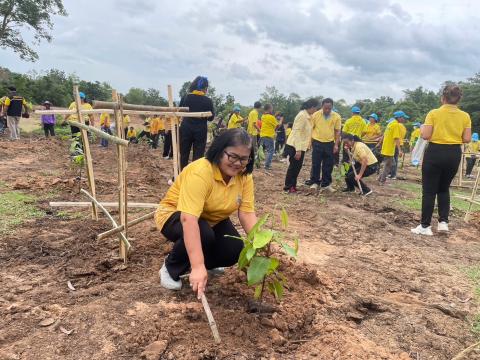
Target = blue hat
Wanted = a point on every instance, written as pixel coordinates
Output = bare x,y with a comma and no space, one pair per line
82,95
400,114
356,110
236,108
475,137
374,116
416,124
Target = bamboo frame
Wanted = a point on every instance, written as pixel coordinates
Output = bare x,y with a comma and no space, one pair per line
121,227
201,114
114,105
99,133
133,205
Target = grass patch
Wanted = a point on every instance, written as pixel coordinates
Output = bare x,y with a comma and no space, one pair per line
70,215
15,208
473,273
62,132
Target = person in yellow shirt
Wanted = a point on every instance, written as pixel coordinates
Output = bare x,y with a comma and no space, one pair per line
105,124
126,124
366,164
14,106
236,120
267,134
355,125
132,135
298,142
415,135
390,144
88,119
403,135
155,127
325,143
146,130
253,118
195,212
446,129
473,151
373,132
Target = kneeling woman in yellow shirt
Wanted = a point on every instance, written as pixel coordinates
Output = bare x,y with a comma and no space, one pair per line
195,212
366,163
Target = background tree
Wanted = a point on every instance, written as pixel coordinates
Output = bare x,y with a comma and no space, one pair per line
34,14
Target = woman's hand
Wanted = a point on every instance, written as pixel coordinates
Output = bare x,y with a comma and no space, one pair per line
198,279
298,155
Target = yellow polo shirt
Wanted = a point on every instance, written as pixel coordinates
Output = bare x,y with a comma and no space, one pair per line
301,134
252,121
448,123
201,191
85,106
155,126
403,133
392,132
355,126
131,133
105,120
269,124
414,136
360,151
324,129
235,121
372,133
126,120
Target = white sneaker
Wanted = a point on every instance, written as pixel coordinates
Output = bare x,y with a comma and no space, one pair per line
314,186
420,230
329,188
442,226
166,280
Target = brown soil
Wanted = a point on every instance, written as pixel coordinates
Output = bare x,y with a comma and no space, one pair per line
363,287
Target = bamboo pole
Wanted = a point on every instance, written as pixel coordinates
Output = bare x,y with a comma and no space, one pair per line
86,150
99,133
121,227
121,171
472,198
211,320
112,220
201,114
114,105
132,205
175,130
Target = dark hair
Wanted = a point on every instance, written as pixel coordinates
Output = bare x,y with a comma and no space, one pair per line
279,114
290,125
327,101
310,103
351,137
12,88
231,137
257,105
199,83
452,93
267,107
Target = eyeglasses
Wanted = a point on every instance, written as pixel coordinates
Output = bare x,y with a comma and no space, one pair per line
233,158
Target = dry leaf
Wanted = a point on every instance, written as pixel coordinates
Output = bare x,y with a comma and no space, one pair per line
65,331
47,322
70,286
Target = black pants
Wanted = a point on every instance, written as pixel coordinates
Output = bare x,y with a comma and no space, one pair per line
49,129
167,145
144,133
155,138
322,161
279,145
440,165
393,172
293,168
470,165
192,134
125,132
218,250
350,176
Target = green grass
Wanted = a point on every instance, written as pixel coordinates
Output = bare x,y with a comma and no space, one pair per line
60,131
69,215
15,208
473,273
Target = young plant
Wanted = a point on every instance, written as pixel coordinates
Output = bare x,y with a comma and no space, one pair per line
257,260
78,157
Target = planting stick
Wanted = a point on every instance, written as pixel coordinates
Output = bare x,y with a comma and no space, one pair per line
211,320
174,129
132,205
114,223
86,150
352,163
114,105
121,227
99,133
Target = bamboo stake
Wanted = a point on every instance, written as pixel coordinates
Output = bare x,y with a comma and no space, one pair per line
99,133
211,320
132,205
472,198
113,105
121,227
86,150
114,223
174,129
201,114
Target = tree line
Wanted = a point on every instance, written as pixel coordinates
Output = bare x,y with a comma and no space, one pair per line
56,86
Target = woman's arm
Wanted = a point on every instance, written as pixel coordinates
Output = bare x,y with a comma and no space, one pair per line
426,132
362,169
247,220
467,135
193,244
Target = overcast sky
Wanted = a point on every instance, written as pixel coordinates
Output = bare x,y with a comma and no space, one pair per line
351,49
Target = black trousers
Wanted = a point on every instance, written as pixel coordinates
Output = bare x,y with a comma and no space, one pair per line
322,161
192,135
144,133
278,145
155,138
125,132
440,165
470,165
350,176
218,250
49,129
293,168
167,145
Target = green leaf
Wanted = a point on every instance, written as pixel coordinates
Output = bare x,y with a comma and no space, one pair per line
242,258
277,289
235,237
262,238
274,263
257,270
258,291
257,226
284,217
289,250
250,253
296,245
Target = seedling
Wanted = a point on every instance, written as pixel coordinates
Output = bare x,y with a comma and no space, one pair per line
256,258
78,158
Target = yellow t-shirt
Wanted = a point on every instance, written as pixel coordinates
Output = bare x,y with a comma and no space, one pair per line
414,136
448,123
126,120
372,133
131,133
155,125
301,134
85,106
105,120
269,124
472,147
288,132
403,133
355,126
7,101
360,151
235,121
201,191
324,129
392,132
252,121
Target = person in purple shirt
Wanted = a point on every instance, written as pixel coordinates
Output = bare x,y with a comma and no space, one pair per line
48,121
